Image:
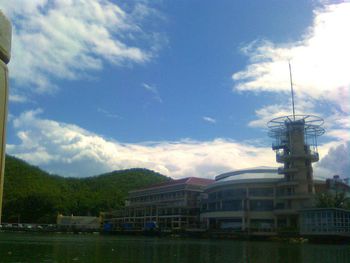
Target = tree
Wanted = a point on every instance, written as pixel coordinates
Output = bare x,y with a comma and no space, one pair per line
334,200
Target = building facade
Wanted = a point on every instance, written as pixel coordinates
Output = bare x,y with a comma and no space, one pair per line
295,144
172,205
250,200
325,222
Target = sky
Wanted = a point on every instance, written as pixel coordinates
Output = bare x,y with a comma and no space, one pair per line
184,88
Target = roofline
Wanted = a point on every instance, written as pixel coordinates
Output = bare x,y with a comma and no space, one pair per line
323,208
244,181
172,183
244,171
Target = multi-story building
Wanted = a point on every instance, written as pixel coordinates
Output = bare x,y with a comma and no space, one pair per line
338,185
168,206
247,200
270,199
325,222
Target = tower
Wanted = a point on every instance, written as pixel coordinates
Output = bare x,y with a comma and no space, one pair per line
295,144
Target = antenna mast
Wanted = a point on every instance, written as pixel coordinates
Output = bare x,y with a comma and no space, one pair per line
291,88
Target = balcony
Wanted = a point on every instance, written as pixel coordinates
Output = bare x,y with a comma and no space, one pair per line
278,146
314,157
285,182
287,196
286,211
281,157
282,170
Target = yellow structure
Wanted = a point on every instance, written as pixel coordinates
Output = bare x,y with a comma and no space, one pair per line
5,50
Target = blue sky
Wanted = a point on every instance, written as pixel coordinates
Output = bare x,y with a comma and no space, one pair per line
181,87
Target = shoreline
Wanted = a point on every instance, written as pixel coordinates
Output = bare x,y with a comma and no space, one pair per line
209,235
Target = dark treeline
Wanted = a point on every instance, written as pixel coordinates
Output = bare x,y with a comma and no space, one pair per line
32,195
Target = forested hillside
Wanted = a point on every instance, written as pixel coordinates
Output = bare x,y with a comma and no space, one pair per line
32,195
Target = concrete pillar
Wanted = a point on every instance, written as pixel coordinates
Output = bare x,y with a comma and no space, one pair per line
5,50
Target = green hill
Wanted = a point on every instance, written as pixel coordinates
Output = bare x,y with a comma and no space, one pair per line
33,195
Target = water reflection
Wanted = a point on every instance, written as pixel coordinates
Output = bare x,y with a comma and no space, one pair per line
16,247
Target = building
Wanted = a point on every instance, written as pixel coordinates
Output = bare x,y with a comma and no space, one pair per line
295,144
327,222
257,201
78,223
172,205
251,200
338,185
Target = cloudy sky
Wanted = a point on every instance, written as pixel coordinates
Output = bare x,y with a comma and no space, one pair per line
183,87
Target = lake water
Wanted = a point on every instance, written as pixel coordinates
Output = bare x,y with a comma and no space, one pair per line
29,247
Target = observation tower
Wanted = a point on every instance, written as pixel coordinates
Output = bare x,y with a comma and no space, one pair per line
295,144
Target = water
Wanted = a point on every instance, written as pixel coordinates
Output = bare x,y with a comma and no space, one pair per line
28,247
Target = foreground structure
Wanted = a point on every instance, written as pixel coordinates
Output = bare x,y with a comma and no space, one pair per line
5,51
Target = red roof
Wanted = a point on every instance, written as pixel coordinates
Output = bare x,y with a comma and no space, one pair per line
199,181
188,180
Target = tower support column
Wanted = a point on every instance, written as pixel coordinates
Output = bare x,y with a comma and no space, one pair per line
5,47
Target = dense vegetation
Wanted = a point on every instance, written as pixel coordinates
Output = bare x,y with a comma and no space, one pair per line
335,200
32,195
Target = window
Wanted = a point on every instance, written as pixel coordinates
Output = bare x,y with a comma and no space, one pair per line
230,193
261,205
212,196
232,205
261,192
309,188
280,206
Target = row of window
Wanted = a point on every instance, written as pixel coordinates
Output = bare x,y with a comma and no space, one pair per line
325,221
239,205
159,212
159,197
240,192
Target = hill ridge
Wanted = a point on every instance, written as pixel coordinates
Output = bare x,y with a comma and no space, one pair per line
32,195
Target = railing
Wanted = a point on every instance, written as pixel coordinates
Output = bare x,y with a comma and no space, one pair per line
283,170
281,156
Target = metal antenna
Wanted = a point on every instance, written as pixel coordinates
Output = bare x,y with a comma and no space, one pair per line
291,88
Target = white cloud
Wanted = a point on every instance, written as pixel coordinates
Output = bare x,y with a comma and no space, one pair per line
209,119
66,39
153,89
17,98
268,112
320,62
108,114
72,151
69,150
336,161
